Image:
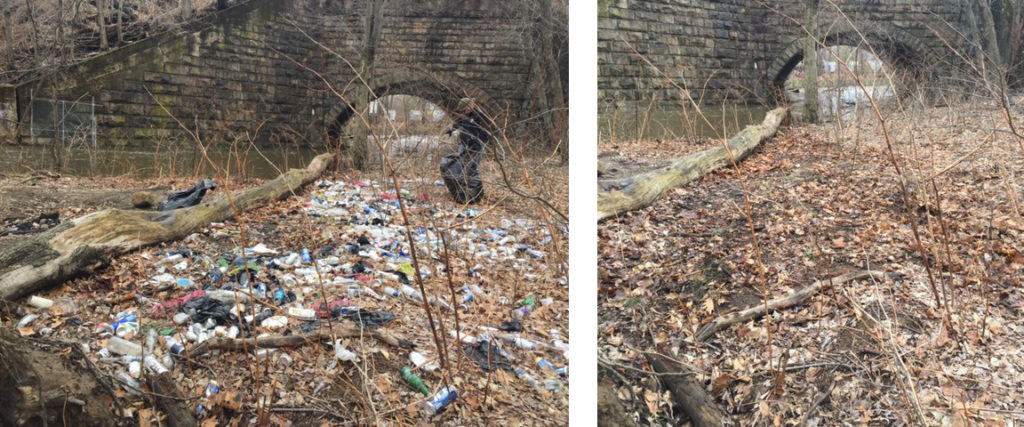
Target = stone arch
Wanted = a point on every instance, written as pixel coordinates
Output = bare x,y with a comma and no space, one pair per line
441,92
898,50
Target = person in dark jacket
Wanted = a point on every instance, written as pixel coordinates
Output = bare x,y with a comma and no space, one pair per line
470,126
459,170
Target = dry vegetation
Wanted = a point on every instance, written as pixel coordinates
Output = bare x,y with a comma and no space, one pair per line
934,343
48,33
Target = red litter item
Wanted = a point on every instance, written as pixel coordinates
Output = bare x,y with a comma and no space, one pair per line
423,197
334,303
179,301
362,278
388,195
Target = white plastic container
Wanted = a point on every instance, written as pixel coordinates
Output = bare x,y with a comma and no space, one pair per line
40,302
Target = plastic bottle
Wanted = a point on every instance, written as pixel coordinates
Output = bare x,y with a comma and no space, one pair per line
544,364
150,339
306,257
168,260
553,385
412,293
414,381
561,345
135,369
525,376
64,306
154,365
524,343
118,345
173,345
302,313
29,318
129,383
392,292
168,361
439,400
440,302
274,322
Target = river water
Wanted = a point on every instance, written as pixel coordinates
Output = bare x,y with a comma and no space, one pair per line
671,121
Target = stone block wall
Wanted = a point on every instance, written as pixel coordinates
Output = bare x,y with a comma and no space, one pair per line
251,66
736,50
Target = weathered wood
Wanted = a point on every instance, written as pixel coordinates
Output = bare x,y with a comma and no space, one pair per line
67,250
790,300
170,400
277,341
688,392
622,195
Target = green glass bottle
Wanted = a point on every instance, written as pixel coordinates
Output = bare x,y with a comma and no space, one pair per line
414,381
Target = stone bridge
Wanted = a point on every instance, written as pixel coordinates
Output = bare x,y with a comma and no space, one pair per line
743,50
276,65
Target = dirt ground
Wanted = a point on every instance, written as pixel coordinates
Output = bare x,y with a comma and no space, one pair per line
937,342
307,385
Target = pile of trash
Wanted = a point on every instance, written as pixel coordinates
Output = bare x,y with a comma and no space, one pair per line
362,274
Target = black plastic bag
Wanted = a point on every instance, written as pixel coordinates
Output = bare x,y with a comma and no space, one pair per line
367,318
460,174
489,356
203,308
190,197
513,325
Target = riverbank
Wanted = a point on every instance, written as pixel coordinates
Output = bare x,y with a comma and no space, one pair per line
503,252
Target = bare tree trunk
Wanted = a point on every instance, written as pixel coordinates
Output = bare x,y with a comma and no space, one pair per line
372,22
811,62
59,30
559,132
972,33
101,20
186,9
8,34
35,26
988,30
120,19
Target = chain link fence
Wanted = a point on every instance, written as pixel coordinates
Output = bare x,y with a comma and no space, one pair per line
71,122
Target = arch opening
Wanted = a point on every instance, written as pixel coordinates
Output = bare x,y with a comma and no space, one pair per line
884,66
840,67
411,118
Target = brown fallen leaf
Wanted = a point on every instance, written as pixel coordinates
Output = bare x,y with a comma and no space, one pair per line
145,414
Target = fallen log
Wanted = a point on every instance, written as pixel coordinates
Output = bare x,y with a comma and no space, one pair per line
723,321
622,195
688,392
277,341
69,249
